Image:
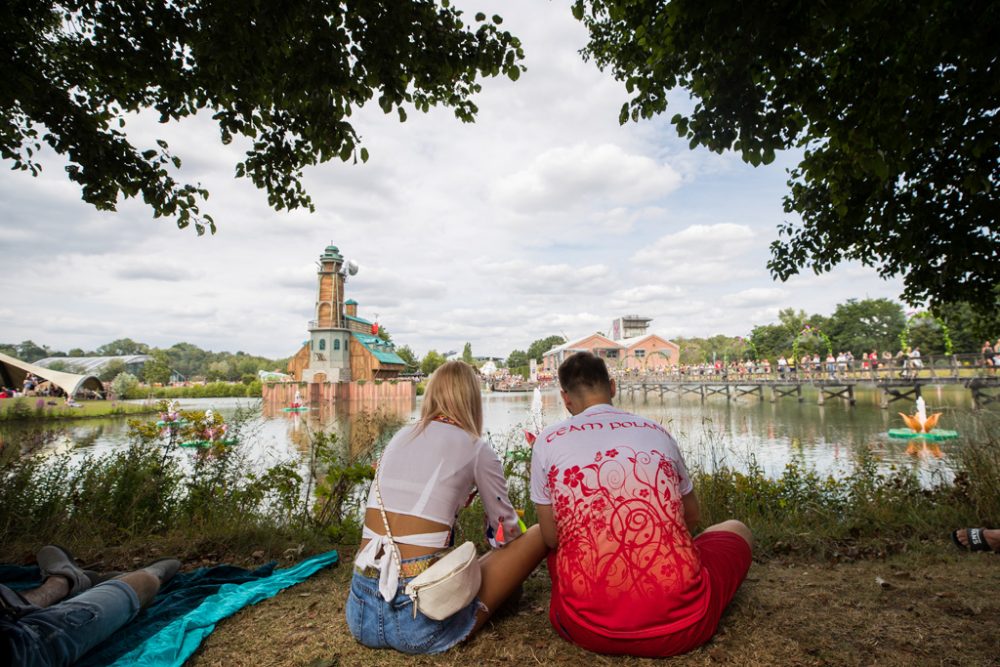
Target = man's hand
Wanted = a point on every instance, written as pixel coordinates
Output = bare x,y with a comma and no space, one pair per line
547,522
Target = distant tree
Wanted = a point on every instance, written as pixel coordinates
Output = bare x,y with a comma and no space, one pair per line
218,370
793,320
157,369
406,354
772,340
861,326
76,352
9,349
121,347
384,334
288,77
543,345
467,354
28,351
431,362
969,327
188,359
111,370
124,384
517,359
892,107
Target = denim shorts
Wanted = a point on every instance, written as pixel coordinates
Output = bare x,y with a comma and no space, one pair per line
63,633
380,624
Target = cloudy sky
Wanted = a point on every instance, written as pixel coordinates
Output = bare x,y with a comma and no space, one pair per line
543,217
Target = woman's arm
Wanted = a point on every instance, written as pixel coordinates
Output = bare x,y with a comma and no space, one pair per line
493,490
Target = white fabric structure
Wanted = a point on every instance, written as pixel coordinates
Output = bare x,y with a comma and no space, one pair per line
14,371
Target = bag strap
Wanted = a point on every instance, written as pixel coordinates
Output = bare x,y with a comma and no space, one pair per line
385,519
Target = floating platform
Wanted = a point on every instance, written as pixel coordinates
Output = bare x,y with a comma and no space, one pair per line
179,422
301,409
936,434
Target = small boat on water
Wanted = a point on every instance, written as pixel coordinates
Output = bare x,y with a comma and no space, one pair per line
512,387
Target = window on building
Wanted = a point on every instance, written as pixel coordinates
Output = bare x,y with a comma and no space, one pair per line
611,354
639,354
322,344
336,344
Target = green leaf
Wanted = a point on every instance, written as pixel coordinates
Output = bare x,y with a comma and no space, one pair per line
364,155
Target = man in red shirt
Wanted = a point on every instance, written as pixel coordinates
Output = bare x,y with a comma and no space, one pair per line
616,506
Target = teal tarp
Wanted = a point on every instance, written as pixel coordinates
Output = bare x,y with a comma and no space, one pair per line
177,641
185,611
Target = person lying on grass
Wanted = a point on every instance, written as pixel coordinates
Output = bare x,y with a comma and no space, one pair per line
616,503
72,611
977,539
426,474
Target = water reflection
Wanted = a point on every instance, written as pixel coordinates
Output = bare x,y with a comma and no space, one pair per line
711,433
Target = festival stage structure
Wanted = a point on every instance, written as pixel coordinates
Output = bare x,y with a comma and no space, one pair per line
893,384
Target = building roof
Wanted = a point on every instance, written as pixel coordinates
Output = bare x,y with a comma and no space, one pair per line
358,319
16,370
350,302
383,351
635,340
574,344
93,365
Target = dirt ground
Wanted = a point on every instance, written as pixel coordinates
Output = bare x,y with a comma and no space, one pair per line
936,608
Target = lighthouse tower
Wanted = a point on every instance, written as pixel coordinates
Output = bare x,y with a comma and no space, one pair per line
329,359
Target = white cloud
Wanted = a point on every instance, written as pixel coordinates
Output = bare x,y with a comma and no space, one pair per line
574,176
755,296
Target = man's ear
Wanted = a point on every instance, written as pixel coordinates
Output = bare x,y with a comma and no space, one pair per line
614,388
567,401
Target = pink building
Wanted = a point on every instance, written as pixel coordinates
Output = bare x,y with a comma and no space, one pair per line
643,352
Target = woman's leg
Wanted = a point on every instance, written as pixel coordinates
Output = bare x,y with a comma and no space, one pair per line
505,569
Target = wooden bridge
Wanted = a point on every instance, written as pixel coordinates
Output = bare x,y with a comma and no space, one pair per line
893,383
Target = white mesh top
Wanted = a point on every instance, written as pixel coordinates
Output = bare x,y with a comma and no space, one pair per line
431,476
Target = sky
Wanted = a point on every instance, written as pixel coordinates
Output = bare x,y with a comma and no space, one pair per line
543,217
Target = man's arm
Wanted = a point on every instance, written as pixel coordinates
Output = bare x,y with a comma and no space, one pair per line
547,522
692,512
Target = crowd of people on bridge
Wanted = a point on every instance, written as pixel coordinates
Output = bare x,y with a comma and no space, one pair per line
906,363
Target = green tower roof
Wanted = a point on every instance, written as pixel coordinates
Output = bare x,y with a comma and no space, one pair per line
332,253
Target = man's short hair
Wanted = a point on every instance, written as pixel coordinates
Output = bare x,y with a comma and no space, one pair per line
584,372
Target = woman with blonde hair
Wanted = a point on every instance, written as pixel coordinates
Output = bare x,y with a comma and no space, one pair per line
426,475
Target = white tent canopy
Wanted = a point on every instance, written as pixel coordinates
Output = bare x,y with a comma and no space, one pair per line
14,371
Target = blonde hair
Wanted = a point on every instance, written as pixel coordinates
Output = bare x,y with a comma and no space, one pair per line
453,391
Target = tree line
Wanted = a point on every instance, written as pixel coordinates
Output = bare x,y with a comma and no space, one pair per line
183,359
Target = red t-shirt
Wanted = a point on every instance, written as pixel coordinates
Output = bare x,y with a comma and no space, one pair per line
626,566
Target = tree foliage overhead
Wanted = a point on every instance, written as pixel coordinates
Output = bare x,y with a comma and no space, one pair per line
288,76
892,103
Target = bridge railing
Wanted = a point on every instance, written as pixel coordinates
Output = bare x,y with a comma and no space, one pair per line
952,367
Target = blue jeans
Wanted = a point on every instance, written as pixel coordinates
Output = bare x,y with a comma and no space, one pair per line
380,624
63,633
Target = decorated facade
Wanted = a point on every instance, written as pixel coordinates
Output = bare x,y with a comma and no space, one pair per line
342,346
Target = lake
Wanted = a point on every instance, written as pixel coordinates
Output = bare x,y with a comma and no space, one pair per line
825,437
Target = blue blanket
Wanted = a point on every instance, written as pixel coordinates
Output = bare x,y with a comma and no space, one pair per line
185,611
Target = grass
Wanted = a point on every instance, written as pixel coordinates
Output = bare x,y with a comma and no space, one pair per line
935,607
853,570
32,408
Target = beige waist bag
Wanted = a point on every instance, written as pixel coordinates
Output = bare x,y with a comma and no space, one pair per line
447,586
